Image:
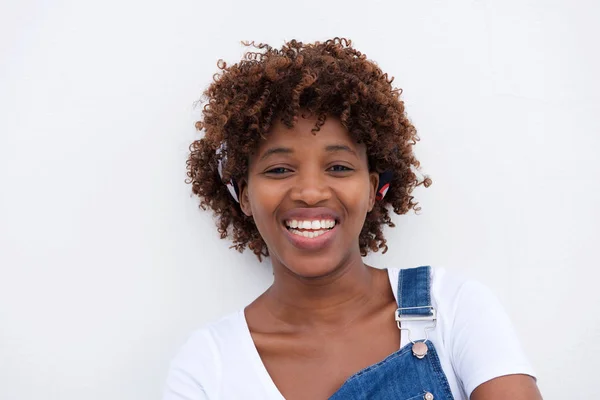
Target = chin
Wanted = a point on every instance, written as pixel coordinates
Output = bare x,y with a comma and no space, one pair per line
313,266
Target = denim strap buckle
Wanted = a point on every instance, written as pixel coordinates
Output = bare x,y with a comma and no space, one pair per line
422,313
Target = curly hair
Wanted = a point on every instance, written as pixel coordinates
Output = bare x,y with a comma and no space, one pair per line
329,78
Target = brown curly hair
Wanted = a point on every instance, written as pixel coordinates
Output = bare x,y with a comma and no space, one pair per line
329,78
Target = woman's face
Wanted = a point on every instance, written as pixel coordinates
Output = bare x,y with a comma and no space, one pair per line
309,195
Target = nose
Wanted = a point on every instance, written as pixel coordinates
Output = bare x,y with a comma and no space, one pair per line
311,188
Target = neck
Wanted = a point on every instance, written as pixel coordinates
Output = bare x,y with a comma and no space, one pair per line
322,302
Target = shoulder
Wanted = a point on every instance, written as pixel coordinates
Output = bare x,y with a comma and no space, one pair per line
479,335
455,291
474,331
196,369
206,340
450,288
467,302
447,286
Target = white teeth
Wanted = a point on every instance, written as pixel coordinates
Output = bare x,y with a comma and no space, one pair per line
313,225
308,234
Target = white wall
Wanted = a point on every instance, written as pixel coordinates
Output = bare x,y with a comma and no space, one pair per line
106,264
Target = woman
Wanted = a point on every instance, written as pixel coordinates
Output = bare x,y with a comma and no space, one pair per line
306,149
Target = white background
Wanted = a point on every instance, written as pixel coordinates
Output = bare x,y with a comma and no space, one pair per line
106,264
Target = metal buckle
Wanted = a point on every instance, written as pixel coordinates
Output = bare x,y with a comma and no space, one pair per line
413,317
410,318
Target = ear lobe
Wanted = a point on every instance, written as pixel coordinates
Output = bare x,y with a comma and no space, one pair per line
374,184
244,198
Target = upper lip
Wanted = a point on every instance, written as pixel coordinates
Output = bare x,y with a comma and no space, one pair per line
313,213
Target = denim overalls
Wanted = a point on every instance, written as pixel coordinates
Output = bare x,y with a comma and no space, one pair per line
414,371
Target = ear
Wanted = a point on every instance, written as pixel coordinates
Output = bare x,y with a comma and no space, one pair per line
244,198
373,185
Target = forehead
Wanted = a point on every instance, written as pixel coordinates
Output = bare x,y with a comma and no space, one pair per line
301,138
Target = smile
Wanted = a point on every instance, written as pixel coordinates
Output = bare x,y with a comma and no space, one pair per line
309,228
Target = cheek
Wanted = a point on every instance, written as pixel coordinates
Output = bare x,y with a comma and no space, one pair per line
355,197
263,203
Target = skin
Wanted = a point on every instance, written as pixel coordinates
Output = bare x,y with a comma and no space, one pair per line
313,327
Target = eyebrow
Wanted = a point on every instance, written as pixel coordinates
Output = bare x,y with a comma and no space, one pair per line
286,150
276,150
339,147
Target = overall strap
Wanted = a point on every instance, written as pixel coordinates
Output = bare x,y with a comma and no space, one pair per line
414,292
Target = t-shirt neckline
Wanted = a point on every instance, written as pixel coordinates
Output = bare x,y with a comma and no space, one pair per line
257,363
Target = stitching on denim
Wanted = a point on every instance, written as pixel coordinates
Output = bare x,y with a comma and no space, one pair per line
428,279
422,282
435,363
400,284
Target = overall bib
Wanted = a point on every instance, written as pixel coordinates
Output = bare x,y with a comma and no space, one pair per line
414,371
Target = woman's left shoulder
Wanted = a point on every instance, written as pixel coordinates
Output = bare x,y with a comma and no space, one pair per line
449,286
457,296
462,298
479,336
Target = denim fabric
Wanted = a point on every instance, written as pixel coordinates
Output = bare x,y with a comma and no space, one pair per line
403,376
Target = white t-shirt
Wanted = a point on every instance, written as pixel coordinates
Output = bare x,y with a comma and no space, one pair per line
474,339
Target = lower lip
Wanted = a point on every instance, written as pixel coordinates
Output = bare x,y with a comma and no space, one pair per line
315,243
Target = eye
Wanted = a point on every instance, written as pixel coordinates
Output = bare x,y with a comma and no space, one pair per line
277,171
340,168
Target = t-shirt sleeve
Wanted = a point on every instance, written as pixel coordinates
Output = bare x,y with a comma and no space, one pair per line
188,373
181,385
484,343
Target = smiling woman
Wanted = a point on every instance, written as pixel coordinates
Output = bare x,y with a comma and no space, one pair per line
299,178
306,151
